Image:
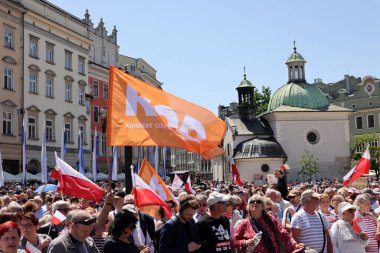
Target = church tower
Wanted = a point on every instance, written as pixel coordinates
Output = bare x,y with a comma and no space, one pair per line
246,105
296,67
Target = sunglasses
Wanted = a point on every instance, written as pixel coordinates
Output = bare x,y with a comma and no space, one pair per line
255,202
86,222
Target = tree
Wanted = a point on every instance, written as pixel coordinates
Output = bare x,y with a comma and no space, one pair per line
262,99
358,145
308,165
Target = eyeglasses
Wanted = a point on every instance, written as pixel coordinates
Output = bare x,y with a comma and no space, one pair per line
66,210
86,222
257,201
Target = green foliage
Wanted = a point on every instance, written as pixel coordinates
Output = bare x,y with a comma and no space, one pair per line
262,99
308,165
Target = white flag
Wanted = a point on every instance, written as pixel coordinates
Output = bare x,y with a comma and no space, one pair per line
177,182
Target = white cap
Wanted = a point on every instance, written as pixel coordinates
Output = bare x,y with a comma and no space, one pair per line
216,197
344,206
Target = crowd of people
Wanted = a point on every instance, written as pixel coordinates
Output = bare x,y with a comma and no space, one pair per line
318,216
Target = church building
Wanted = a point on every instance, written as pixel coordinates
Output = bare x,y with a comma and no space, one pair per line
299,119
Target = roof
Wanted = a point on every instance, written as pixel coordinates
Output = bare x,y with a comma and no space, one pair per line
259,147
295,57
245,83
257,126
301,95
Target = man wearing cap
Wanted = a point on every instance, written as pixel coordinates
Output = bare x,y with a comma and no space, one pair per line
51,229
77,238
310,227
343,237
294,197
213,227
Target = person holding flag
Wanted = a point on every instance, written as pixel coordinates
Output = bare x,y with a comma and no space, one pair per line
60,209
29,225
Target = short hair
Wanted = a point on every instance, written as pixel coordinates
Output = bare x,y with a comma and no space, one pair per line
8,226
188,201
15,207
200,197
32,217
123,219
361,198
78,215
170,201
57,204
329,190
323,196
29,206
256,197
336,196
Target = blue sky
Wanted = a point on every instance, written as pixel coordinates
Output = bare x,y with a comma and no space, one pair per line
199,47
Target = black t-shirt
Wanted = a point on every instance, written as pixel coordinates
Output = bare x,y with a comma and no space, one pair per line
215,233
113,245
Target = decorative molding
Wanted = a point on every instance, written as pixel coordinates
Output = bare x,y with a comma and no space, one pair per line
81,82
9,60
33,108
8,103
69,115
50,72
51,112
316,130
69,78
82,117
34,67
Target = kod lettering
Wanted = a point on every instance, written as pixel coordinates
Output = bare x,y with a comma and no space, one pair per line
189,123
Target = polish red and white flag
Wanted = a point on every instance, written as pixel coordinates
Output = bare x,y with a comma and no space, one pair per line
145,196
177,182
72,183
29,248
188,187
235,173
58,218
360,169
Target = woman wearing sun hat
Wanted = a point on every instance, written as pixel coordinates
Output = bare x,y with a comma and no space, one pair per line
343,236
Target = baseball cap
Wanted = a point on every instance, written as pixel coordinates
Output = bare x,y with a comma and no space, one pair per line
216,197
309,193
344,206
120,194
293,193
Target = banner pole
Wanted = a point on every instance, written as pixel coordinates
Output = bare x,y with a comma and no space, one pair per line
109,169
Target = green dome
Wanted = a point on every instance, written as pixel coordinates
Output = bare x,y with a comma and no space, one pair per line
245,83
295,57
301,95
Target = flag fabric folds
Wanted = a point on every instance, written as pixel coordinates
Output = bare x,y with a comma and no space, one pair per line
360,169
235,173
58,218
177,182
188,187
43,156
143,115
95,155
23,136
73,183
285,167
29,248
80,153
145,196
1,172
114,164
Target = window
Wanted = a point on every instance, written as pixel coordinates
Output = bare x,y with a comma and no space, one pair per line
88,107
265,168
33,47
68,132
8,39
49,52
68,92
133,68
81,128
49,130
68,60
96,114
33,83
81,65
312,137
95,88
8,78
32,133
105,91
49,88
359,122
370,120
7,123
81,95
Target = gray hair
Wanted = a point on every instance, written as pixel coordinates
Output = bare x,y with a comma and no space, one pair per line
303,200
256,197
200,197
78,215
361,198
329,190
56,205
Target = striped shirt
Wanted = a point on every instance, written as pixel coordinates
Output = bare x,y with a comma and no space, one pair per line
371,232
311,229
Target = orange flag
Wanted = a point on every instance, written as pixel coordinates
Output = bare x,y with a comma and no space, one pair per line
143,115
